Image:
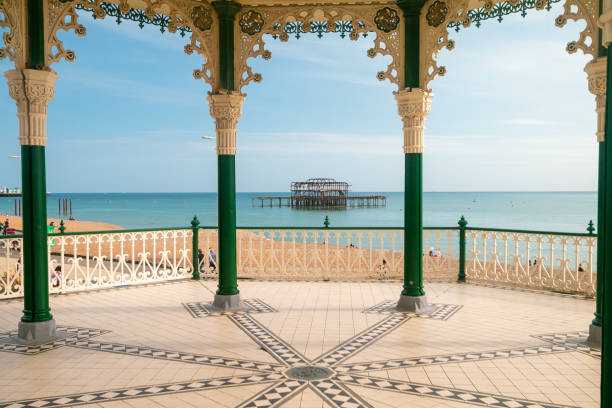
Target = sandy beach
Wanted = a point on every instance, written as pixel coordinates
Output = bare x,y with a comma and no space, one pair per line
71,226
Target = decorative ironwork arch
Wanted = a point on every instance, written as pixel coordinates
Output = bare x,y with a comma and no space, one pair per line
282,22
434,38
182,16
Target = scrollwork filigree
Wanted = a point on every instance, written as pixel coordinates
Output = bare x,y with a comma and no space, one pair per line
587,10
356,20
182,16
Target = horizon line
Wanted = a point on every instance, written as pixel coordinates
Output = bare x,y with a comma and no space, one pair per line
364,191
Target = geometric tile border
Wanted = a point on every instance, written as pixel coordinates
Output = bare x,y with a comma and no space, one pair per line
274,345
142,391
72,334
334,390
362,340
198,309
452,358
140,351
441,311
471,397
575,341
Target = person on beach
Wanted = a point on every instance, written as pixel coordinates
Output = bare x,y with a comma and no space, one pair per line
201,260
56,276
382,270
580,268
213,260
6,225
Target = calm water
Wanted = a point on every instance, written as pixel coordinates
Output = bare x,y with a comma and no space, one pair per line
556,211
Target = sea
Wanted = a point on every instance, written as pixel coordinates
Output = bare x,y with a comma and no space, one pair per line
539,211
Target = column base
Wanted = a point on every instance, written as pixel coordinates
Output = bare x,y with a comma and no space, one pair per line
35,333
228,303
416,304
594,339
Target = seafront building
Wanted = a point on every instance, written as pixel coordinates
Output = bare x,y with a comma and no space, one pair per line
506,317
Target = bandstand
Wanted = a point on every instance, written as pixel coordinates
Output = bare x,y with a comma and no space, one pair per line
227,34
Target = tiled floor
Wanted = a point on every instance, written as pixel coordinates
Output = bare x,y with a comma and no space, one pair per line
150,347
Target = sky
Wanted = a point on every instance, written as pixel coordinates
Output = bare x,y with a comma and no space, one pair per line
513,113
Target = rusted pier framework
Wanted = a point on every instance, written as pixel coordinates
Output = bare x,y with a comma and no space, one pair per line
320,192
350,201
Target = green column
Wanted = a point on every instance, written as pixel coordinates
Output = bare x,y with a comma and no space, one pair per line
413,225
413,162
462,227
35,268
195,261
34,192
227,225
606,234
226,163
601,208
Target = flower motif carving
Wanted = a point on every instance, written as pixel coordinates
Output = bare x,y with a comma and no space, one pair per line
251,22
386,19
201,17
436,13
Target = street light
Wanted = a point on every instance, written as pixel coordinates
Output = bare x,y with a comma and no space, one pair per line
208,137
12,156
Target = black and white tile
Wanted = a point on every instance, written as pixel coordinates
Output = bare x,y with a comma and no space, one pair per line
68,334
275,395
172,355
450,358
199,309
143,391
426,390
441,311
361,341
337,395
574,341
273,344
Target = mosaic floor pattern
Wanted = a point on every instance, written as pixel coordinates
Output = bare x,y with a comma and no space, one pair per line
316,344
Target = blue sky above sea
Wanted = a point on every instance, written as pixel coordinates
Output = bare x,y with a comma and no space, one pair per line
513,113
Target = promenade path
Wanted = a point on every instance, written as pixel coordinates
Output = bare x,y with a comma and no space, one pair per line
305,344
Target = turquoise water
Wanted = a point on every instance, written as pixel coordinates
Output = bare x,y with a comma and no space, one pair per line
549,211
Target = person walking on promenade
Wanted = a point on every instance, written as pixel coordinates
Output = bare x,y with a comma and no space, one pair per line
213,260
201,260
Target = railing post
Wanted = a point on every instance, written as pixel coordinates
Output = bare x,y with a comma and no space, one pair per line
462,227
326,222
195,224
62,227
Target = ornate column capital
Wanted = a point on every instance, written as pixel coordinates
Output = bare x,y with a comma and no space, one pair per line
226,109
605,22
596,75
32,89
413,105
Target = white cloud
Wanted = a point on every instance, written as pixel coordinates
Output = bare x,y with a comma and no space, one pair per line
529,122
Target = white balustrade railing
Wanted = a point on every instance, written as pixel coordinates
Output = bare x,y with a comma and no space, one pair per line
97,260
89,261
548,261
338,254
11,272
